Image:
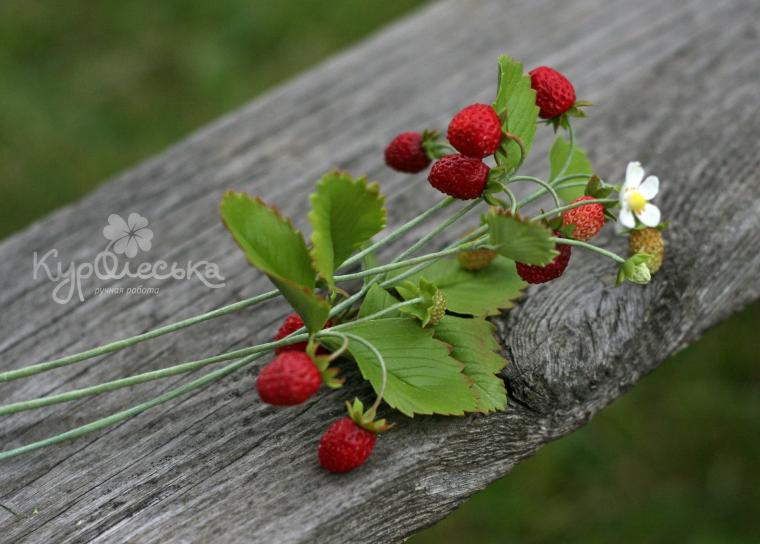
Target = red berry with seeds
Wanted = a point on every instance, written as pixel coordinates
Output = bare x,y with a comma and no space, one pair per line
554,92
475,131
588,219
459,176
290,379
541,274
291,324
345,446
406,154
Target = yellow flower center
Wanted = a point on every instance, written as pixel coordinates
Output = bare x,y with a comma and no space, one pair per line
637,201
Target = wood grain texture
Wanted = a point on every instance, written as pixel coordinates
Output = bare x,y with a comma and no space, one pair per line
676,86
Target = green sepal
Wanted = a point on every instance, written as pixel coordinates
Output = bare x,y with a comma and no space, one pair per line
366,420
431,309
434,147
597,188
635,270
322,362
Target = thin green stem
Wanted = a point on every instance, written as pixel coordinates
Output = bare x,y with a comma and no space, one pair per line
133,411
403,264
454,247
173,327
121,344
379,356
146,376
437,230
572,205
400,231
590,247
556,184
544,184
569,158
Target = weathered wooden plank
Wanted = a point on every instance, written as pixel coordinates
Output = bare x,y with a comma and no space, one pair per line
676,87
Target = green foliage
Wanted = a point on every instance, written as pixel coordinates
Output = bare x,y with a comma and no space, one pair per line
422,377
519,239
579,164
482,293
516,105
474,344
274,246
345,213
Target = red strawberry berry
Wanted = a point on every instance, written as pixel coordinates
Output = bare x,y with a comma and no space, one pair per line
541,274
554,92
291,324
345,446
475,131
588,219
290,379
406,154
459,176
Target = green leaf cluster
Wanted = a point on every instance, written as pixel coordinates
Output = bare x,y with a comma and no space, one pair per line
346,213
422,377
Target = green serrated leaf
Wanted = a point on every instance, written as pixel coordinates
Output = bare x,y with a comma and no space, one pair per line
422,377
473,343
482,293
376,300
345,213
274,246
579,164
519,239
515,97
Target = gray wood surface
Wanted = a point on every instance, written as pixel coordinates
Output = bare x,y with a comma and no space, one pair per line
675,85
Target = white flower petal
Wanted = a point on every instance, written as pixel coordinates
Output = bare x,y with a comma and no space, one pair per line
650,215
136,221
649,188
634,174
626,218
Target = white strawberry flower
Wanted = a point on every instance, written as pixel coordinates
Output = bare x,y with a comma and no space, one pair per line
635,196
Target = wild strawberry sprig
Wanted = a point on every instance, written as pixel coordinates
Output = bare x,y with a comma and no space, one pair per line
417,325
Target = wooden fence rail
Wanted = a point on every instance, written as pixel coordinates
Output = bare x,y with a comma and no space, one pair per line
675,85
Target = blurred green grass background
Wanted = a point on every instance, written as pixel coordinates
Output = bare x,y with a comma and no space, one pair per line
90,88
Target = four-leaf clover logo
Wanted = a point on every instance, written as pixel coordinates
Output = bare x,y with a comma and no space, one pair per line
130,236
